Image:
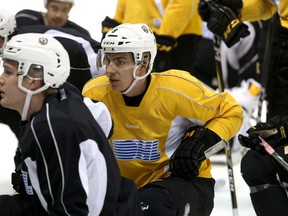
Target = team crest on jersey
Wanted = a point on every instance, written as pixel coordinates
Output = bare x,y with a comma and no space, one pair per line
136,149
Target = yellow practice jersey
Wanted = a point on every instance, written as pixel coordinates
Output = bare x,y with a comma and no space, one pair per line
264,9
165,17
129,11
146,136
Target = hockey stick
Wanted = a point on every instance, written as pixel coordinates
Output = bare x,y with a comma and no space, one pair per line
265,68
213,150
217,43
274,154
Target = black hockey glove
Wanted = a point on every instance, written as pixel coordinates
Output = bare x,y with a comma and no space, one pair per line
163,60
252,142
107,25
274,131
204,10
234,5
223,22
184,161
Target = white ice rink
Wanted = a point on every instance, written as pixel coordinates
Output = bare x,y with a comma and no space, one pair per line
90,16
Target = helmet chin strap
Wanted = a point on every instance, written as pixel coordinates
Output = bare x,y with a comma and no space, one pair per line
136,79
26,106
24,113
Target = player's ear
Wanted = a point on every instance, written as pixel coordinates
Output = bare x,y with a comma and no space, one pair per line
35,84
146,60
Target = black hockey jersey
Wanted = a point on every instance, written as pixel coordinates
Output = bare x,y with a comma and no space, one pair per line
29,17
90,46
82,51
68,166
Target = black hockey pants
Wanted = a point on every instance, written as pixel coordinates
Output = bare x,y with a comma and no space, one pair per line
174,196
268,197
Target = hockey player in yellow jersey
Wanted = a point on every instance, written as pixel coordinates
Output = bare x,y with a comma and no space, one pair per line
175,23
151,114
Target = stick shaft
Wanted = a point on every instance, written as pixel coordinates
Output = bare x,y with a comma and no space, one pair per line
217,53
265,68
268,148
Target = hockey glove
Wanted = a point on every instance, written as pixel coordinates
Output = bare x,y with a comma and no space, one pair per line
107,25
274,131
223,22
163,60
252,142
204,10
184,161
234,5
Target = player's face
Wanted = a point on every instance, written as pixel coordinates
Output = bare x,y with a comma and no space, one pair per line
57,13
11,96
119,70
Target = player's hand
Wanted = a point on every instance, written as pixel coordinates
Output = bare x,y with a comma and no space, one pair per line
252,142
274,131
163,60
234,5
107,25
184,161
223,22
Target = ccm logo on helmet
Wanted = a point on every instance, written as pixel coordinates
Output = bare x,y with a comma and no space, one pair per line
108,43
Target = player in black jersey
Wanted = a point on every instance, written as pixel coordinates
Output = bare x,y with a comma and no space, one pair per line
82,50
68,167
57,14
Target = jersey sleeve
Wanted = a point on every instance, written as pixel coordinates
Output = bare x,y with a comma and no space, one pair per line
120,11
101,114
254,10
220,112
28,17
178,14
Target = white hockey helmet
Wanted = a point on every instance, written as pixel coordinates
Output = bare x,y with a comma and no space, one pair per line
135,38
7,25
32,49
65,1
